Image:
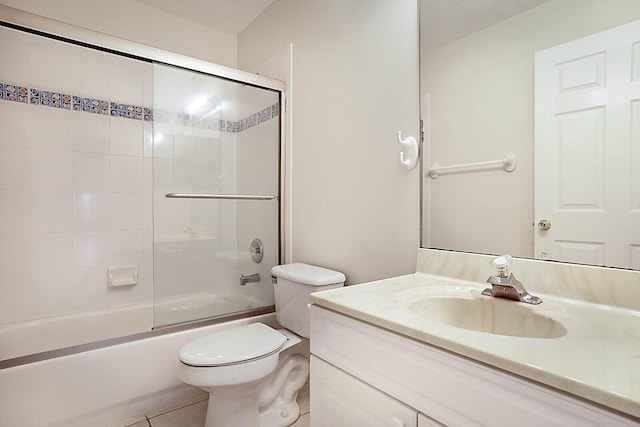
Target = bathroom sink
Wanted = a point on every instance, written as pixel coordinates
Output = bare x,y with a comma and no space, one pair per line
486,314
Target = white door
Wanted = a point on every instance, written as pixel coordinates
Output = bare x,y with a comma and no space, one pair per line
587,149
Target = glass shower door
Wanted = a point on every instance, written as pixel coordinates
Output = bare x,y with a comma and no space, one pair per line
216,192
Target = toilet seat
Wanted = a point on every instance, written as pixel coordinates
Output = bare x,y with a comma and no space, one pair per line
233,346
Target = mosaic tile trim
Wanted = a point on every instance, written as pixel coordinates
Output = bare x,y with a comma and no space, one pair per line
33,96
230,126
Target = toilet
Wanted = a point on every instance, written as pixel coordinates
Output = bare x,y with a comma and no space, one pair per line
251,372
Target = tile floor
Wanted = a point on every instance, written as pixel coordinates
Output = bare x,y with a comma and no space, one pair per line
193,414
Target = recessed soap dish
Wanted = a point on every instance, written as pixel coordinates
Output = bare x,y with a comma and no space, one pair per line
122,276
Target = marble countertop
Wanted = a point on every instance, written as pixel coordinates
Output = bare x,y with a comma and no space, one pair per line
598,358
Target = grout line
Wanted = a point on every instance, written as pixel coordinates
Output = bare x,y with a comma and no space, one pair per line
148,421
184,404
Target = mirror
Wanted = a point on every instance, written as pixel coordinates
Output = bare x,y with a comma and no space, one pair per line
479,87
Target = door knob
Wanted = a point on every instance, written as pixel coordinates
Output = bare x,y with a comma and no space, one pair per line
544,224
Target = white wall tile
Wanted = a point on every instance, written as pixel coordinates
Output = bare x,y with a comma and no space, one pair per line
15,297
50,128
51,253
51,170
126,248
162,141
14,211
14,257
127,174
90,172
14,123
50,65
14,45
90,289
51,211
147,205
14,167
148,175
90,251
127,211
90,211
90,132
75,189
52,295
90,73
148,139
127,80
163,176
126,136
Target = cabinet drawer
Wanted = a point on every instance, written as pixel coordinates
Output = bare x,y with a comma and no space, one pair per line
340,400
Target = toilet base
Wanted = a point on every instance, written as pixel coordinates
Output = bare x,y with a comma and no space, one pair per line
283,417
234,412
270,402
231,409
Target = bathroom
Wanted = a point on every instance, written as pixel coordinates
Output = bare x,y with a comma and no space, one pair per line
349,121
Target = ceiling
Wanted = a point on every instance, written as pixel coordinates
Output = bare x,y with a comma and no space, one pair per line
441,21
231,16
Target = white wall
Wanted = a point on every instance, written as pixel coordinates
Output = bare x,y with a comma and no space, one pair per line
481,99
75,187
354,85
137,22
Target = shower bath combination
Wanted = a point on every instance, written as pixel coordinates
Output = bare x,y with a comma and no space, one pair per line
166,173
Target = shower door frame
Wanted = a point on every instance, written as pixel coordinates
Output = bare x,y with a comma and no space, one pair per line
39,25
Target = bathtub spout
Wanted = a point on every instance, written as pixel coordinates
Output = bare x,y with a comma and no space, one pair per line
252,278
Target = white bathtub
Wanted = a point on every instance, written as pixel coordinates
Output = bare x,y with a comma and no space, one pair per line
50,333
35,336
102,387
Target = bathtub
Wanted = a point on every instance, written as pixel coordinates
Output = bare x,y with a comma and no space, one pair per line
50,333
105,386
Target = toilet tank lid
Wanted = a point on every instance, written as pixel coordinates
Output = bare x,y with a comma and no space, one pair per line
308,274
231,346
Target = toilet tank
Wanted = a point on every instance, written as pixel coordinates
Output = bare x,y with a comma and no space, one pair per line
294,283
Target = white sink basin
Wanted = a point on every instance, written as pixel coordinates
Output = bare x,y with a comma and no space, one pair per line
467,309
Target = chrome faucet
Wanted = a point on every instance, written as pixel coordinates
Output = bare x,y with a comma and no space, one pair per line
505,285
252,278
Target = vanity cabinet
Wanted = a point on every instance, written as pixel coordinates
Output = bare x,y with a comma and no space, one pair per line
364,375
339,399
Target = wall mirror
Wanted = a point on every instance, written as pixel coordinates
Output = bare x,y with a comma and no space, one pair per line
555,84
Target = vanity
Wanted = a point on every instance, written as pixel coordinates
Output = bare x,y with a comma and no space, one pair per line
429,349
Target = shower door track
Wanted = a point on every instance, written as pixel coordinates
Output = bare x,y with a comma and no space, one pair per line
219,196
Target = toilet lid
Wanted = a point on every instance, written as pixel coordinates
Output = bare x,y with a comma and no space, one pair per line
231,346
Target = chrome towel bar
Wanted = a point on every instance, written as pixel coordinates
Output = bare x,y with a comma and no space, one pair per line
219,196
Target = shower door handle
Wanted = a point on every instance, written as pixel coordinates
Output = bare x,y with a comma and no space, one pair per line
219,196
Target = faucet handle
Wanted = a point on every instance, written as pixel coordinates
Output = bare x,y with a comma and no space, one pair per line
502,265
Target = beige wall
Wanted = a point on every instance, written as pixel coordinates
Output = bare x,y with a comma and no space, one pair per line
481,107
354,85
137,22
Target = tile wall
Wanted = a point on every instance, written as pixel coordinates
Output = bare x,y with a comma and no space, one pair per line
75,177
76,174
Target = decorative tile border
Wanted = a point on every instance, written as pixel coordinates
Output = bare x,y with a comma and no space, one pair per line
33,96
230,126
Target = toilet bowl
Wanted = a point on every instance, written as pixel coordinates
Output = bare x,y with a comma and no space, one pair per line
252,372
